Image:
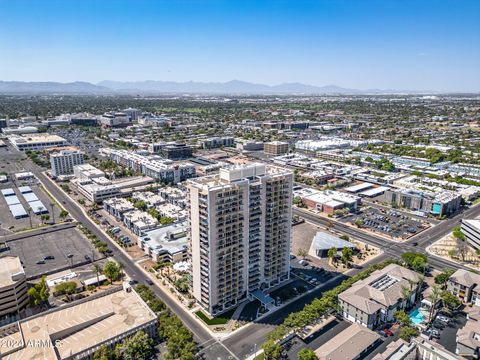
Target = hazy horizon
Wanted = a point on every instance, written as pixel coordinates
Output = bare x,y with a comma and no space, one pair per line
402,45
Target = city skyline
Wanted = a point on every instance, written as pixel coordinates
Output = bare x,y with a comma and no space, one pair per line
418,46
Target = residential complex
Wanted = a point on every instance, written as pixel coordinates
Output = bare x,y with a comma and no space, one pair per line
152,166
240,233
374,300
466,286
13,285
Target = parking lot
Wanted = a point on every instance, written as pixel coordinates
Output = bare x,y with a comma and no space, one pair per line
68,247
448,332
387,222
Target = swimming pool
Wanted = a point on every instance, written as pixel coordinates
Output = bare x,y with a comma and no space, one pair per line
417,317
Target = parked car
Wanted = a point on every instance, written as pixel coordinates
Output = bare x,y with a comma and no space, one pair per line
388,332
303,262
149,282
49,257
39,262
443,319
383,333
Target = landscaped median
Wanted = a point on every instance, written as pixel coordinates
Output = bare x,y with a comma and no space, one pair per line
314,311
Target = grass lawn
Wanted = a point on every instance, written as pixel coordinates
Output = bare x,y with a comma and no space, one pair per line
218,320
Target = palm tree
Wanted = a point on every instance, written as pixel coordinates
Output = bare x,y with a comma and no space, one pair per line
332,253
406,293
29,211
434,296
98,270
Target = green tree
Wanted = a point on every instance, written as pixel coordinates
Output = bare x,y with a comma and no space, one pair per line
434,296
104,353
307,354
458,234
347,255
332,254
271,350
137,347
63,214
442,278
449,300
359,222
408,332
415,261
40,292
66,288
112,271
302,253
98,270
140,204
402,317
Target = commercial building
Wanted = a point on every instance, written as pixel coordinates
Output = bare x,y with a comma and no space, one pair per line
114,119
439,204
13,286
63,161
240,228
350,344
216,142
176,151
96,193
330,200
374,300
276,147
471,229
87,172
465,285
322,242
78,329
83,119
153,166
36,142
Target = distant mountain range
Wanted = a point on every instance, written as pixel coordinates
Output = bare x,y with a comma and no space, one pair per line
171,87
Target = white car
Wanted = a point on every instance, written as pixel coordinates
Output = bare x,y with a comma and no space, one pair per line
444,319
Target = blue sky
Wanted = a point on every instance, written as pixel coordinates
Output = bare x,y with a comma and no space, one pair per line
388,44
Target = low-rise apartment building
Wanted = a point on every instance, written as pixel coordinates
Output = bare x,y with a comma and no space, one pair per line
118,207
167,243
468,339
465,285
139,222
13,286
350,344
373,301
